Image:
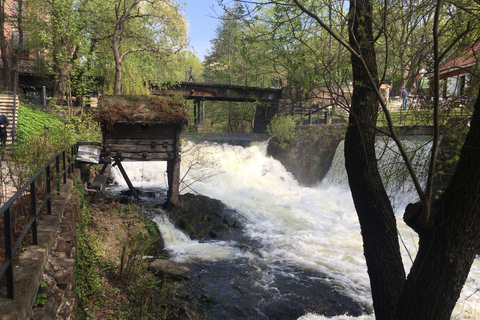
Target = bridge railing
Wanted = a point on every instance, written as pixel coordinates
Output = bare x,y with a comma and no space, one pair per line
64,159
314,114
239,79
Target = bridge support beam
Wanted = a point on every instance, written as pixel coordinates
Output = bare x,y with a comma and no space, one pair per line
195,112
199,111
263,116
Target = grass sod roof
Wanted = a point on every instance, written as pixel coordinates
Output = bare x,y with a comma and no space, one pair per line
140,110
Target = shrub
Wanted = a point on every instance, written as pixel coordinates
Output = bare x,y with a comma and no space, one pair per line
39,136
282,128
59,131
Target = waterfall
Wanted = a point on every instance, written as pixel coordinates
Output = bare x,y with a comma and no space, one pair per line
396,179
288,226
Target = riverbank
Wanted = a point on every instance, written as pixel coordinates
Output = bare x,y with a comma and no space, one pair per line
108,238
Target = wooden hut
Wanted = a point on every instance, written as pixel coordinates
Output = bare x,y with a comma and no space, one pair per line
143,128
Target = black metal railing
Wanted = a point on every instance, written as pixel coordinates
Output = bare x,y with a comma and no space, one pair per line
36,207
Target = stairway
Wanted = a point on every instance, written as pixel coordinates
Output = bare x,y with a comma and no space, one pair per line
6,107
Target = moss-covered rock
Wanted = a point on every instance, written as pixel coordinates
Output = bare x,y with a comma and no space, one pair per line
202,217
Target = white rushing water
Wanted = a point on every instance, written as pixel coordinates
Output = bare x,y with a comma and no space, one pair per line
314,228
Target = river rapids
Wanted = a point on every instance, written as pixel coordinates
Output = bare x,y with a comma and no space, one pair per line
298,243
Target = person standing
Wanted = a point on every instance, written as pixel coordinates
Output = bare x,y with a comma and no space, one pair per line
191,78
404,98
3,129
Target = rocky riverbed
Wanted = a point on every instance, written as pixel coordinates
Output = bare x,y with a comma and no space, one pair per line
247,288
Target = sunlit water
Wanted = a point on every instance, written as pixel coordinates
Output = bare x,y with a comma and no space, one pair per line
314,228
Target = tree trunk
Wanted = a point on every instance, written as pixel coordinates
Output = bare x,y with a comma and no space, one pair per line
10,55
7,72
377,220
403,70
62,77
448,245
117,89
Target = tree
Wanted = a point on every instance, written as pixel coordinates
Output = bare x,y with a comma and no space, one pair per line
448,226
294,49
57,29
134,26
12,38
405,26
226,64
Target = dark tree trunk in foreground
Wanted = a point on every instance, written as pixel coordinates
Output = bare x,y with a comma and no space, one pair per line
450,239
449,242
449,233
377,220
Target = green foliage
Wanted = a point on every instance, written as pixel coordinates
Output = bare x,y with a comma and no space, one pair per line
83,128
36,144
120,270
32,123
61,132
422,117
41,298
88,282
74,46
145,43
282,128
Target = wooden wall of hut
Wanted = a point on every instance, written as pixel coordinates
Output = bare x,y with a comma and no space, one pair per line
142,142
147,142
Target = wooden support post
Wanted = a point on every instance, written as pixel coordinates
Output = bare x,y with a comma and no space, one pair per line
203,112
173,170
125,176
104,168
173,173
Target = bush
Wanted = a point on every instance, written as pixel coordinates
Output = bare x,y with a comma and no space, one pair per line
32,122
39,136
282,128
60,131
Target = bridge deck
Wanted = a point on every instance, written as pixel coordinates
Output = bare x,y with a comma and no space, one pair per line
220,92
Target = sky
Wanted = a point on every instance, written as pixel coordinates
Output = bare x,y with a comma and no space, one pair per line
202,24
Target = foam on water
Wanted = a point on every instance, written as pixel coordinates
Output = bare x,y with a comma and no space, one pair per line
314,228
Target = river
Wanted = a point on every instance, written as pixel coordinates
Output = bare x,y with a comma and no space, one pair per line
293,236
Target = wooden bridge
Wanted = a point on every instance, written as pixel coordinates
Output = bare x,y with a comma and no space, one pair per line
201,92
221,92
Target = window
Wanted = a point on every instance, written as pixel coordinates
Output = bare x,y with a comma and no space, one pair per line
16,43
16,8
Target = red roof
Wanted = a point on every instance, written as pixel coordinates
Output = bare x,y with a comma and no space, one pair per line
462,58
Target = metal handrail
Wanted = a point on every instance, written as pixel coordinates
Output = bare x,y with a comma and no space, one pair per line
10,250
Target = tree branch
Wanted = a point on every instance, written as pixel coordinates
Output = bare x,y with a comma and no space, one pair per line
388,117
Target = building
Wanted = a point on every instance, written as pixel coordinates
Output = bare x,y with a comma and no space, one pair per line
458,73
143,128
14,40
